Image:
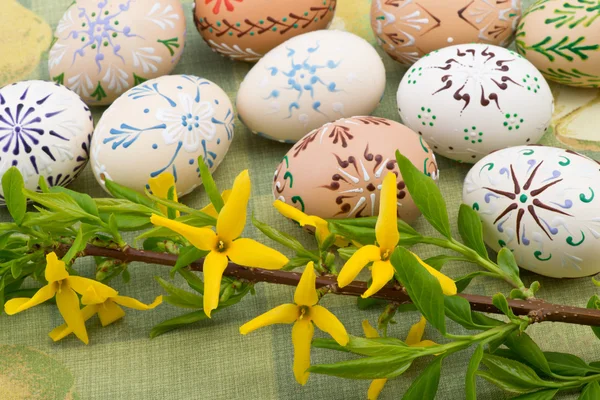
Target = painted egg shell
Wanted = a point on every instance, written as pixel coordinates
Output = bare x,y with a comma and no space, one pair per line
163,125
409,29
336,171
45,130
469,100
247,29
308,81
543,203
562,39
104,47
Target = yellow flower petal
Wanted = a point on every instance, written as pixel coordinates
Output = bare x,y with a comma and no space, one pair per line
100,291
425,343
202,238
293,213
447,284
68,305
55,268
109,312
250,253
283,314
214,265
386,229
370,332
61,332
415,334
17,305
382,273
210,208
357,262
375,388
327,322
160,186
306,294
232,218
302,334
130,302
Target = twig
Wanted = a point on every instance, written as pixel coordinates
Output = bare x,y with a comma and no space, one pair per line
538,310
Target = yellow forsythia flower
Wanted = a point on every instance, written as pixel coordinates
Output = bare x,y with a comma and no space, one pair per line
210,208
303,314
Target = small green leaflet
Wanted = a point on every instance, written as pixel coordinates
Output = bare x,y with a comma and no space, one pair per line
177,322
122,192
568,364
539,395
424,290
470,379
591,391
187,255
458,310
365,368
512,376
508,264
284,239
86,203
471,230
426,195
426,385
594,304
210,186
522,344
179,297
12,187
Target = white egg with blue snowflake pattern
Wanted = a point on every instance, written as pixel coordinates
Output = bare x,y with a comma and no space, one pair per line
543,203
163,125
45,130
471,99
309,80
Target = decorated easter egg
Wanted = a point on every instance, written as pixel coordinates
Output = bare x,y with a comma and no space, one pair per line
163,125
336,171
409,29
308,81
469,100
104,47
543,204
45,130
562,39
247,29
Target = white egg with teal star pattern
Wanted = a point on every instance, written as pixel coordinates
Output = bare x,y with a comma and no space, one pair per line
543,203
163,125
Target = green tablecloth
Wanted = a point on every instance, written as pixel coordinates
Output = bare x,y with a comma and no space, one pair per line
211,360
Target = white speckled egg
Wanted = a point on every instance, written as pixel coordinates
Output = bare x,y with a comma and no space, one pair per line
469,100
311,79
543,203
45,130
163,125
104,47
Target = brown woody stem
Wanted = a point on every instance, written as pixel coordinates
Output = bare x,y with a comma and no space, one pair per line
538,310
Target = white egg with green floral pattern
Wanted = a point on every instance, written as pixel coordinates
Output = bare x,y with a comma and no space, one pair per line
471,99
543,203
163,125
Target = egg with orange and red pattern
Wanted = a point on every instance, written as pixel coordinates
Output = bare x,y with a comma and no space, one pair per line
336,171
245,30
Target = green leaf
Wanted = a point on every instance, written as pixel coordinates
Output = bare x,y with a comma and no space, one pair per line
128,222
86,203
12,187
424,290
439,261
594,304
362,230
512,376
470,379
192,280
425,194
365,368
210,186
426,385
296,262
471,230
329,344
386,346
370,222
481,319
539,395
458,310
284,239
179,297
568,364
78,244
171,213
187,255
177,322
502,304
16,268
43,185
591,391
508,264
464,281
522,344
122,192
62,203
369,302
122,206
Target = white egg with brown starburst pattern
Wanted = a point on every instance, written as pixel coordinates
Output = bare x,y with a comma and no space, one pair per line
471,99
543,203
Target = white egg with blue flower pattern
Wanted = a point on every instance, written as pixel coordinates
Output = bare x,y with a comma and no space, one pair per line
309,80
163,125
543,203
45,130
